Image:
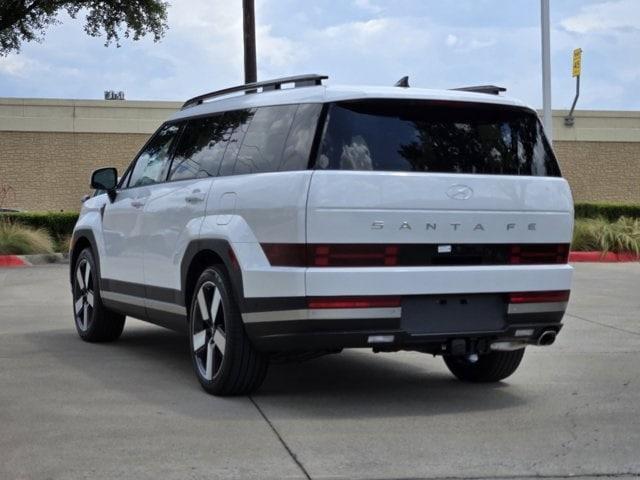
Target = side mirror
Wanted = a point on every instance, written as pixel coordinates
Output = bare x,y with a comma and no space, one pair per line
105,179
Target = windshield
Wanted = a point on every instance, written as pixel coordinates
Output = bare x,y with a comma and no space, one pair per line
430,136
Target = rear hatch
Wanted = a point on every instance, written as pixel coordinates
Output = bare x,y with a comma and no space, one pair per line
436,183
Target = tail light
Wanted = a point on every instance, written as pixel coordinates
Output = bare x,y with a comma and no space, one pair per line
533,254
371,255
286,254
412,255
353,302
539,297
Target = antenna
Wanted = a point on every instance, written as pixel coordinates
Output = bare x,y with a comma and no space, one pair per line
403,82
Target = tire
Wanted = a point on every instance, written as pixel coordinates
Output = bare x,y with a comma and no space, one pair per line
94,323
224,360
490,367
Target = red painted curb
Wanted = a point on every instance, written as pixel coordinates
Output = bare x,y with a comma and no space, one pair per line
12,261
602,257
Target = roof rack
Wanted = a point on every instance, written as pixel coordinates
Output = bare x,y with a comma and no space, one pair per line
307,80
488,89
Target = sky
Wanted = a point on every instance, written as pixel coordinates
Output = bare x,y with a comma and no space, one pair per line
438,43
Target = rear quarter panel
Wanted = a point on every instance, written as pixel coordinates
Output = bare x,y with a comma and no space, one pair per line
247,210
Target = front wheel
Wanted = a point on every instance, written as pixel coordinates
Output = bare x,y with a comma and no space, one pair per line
94,322
490,367
224,360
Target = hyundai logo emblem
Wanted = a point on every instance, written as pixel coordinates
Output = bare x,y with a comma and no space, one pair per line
459,192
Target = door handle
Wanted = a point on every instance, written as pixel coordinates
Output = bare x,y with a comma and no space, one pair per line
194,197
137,204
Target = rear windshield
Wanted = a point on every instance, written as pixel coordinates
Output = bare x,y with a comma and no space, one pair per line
445,137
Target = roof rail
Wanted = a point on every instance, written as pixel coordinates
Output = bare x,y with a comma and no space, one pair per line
489,89
307,80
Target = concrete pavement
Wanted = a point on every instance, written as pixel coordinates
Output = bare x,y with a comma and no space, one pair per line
133,409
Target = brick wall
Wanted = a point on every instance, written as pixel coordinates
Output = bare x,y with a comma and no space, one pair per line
601,171
51,170
49,147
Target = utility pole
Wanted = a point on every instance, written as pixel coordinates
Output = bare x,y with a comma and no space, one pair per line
546,69
249,29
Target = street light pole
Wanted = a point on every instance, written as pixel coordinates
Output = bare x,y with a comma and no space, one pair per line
249,30
546,69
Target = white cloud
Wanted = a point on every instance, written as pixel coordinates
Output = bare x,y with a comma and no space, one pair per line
16,65
367,5
602,17
465,44
278,52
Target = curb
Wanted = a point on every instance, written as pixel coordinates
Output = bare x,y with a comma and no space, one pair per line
10,261
602,257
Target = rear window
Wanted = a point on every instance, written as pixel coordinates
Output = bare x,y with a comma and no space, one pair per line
442,137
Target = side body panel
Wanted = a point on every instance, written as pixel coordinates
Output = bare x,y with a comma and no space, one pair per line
122,233
245,210
171,220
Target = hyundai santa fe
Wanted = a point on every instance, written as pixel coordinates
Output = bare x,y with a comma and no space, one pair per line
288,219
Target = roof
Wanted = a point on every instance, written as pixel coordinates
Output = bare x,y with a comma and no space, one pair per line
334,93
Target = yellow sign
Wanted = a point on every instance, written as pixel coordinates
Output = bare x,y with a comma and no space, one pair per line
577,62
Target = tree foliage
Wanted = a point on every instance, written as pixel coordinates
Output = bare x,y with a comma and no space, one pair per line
26,20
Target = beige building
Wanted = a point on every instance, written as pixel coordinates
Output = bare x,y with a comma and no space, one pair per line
48,149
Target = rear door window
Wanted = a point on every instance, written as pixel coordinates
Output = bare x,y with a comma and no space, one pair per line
446,137
236,124
200,149
265,139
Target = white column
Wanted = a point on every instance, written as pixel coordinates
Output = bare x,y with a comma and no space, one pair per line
546,69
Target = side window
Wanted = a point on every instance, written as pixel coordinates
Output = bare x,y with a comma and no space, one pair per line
236,123
264,141
200,149
298,146
153,162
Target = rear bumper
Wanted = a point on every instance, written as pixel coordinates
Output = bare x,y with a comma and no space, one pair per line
388,329
436,280
262,280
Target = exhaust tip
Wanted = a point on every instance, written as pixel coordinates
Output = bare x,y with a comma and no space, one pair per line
547,338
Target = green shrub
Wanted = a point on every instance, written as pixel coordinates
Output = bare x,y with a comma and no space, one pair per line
58,224
599,234
610,211
17,239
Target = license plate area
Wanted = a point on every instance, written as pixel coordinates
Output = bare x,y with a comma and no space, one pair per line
443,314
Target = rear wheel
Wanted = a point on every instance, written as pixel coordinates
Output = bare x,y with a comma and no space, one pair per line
223,358
490,367
94,323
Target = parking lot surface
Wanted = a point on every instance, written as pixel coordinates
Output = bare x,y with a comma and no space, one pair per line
133,409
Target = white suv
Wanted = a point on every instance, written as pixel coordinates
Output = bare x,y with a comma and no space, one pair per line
279,223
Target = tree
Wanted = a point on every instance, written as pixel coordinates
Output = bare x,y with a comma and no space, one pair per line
26,20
